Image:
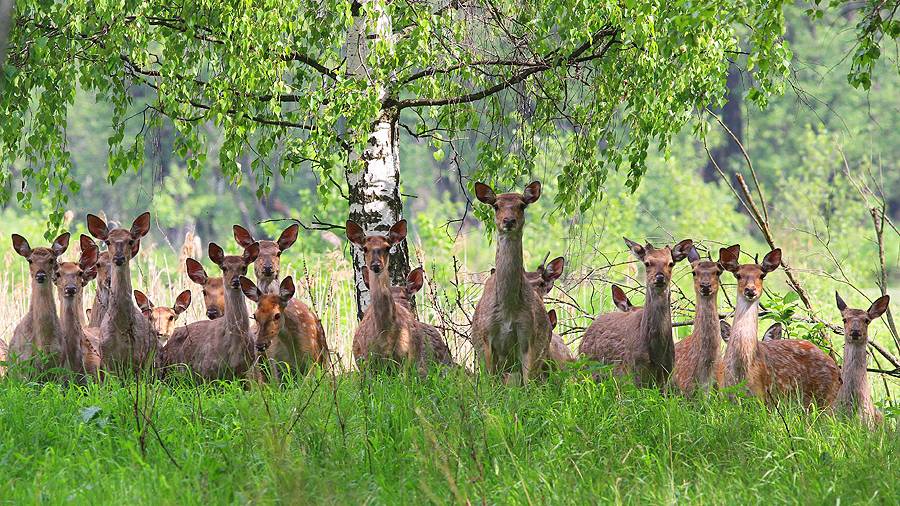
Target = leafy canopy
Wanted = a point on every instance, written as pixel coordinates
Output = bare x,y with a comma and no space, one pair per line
623,76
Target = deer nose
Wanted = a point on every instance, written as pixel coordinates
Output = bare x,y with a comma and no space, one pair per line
750,293
509,223
235,282
40,277
70,290
855,333
660,279
212,314
268,270
376,267
119,260
705,289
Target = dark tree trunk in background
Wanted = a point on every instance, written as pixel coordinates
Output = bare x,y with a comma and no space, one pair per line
733,118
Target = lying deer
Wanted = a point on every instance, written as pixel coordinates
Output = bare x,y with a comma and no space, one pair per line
640,341
125,340
773,368
38,336
288,333
426,333
697,355
162,319
510,328
222,348
853,398
70,280
268,263
387,334
213,289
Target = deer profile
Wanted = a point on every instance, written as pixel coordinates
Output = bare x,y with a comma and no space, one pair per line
37,336
70,280
510,328
162,319
697,355
223,348
125,340
774,368
431,338
854,398
213,289
640,341
287,332
268,264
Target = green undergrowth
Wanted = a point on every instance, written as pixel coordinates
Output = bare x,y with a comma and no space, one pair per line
450,437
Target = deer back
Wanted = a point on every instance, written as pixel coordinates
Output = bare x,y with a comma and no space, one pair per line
800,367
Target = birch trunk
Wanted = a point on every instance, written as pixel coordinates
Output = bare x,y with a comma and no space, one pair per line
373,176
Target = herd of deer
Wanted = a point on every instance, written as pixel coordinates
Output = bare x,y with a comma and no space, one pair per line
512,331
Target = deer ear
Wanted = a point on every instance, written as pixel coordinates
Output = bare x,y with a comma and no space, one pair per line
397,232
692,255
772,260
841,305
493,270
415,280
635,248
725,329
773,332
216,254
355,233
135,249
97,227
89,253
286,290
141,225
620,299
20,244
485,194
879,307
250,290
554,269
143,302
182,302
60,245
288,237
365,276
552,316
728,258
532,192
242,236
251,253
680,251
195,271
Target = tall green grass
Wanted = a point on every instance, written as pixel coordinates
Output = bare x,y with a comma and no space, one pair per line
450,437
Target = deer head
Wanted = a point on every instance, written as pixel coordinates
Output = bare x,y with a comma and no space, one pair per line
162,319
404,293
213,289
71,277
749,276
233,266
41,261
856,321
123,245
509,208
545,276
270,309
268,263
659,262
706,275
376,248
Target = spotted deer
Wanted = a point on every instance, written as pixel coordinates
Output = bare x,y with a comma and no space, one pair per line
510,328
426,333
162,319
854,398
640,341
697,355
101,296
70,280
287,333
775,368
223,348
213,289
268,264
38,337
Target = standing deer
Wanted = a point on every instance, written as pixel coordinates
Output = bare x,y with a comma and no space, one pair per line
510,328
101,296
640,341
162,319
853,398
285,333
125,340
213,289
222,348
268,263
697,355
37,337
429,335
71,278
773,368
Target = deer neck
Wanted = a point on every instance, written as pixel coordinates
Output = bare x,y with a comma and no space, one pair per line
742,345
854,391
383,307
510,275
656,323
120,306
237,319
71,328
706,326
101,302
45,322
79,304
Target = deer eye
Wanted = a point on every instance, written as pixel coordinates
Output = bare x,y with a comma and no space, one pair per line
171,318
204,291
868,321
646,264
737,276
277,316
496,207
522,206
671,264
30,260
